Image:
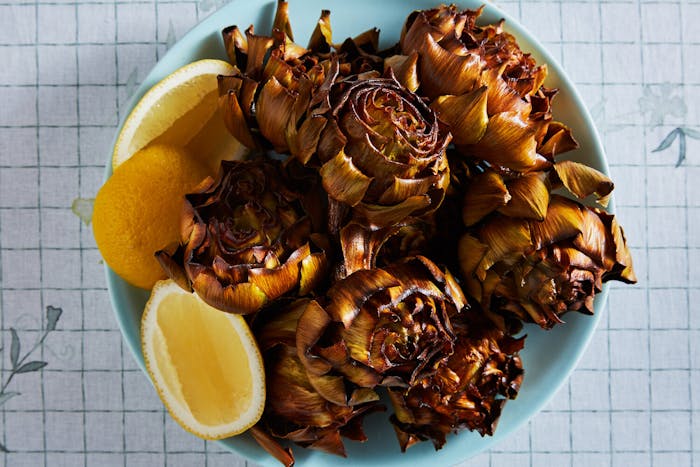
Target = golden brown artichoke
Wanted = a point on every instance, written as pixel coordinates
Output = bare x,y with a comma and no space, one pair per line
538,270
249,237
465,391
406,327
264,102
382,150
301,406
490,94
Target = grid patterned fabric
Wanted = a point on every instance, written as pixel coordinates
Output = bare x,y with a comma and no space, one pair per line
68,67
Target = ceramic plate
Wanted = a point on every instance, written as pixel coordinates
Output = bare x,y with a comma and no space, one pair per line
548,357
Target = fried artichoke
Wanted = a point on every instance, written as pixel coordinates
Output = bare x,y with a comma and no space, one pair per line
382,150
490,94
311,410
538,270
465,391
248,238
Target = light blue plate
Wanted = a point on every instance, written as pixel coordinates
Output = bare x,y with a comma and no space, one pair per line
548,358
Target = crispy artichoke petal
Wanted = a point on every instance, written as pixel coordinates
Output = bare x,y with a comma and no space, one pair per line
583,181
272,446
308,138
465,115
290,393
485,193
444,73
280,325
558,139
313,270
275,282
403,188
508,141
359,245
258,47
275,107
242,298
322,37
312,323
343,180
232,114
562,221
501,97
529,197
236,45
508,239
378,216
405,68
281,21
173,269
349,295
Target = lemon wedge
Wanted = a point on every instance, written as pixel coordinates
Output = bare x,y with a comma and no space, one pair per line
181,110
204,363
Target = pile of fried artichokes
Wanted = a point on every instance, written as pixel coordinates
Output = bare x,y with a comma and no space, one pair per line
372,174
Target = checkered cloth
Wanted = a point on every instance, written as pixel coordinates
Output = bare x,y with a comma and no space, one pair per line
68,67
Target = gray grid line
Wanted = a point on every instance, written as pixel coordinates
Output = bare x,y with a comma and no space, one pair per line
687,242
41,262
646,205
82,273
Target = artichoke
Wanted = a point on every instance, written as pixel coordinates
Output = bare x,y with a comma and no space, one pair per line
264,102
406,327
382,150
538,270
466,390
249,237
490,94
311,410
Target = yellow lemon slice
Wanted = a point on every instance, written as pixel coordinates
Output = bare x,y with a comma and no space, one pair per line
204,363
181,110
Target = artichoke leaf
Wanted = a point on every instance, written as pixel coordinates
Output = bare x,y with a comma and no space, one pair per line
274,448
507,238
557,139
275,282
281,21
583,181
501,97
529,197
275,107
348,296
485,193
258,47
343,181
312,323
444,73
242,298
405,68
562,221
378,216
466,115
509,141
322,37
236,45
234,120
